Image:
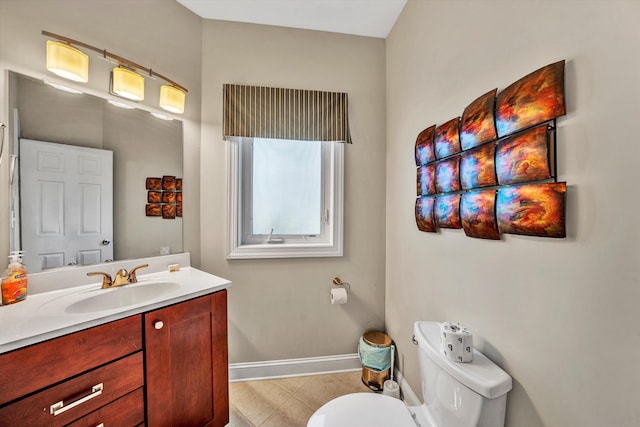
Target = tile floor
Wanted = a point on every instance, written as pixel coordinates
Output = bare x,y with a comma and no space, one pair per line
287,402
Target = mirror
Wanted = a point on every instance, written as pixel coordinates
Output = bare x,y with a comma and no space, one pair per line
142,147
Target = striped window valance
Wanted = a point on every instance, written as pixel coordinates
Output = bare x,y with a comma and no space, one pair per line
265,112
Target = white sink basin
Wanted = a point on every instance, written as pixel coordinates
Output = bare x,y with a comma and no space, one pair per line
122,296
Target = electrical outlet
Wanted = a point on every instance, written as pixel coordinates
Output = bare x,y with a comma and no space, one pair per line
165,250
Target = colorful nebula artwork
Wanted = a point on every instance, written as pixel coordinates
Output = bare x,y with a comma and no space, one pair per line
478,122
448,175
478,215
447,139
447,211
424,214
524,157
477,167
492,170
424,146
427,180
532,209
535,98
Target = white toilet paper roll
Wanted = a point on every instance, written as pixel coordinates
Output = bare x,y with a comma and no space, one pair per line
338,296
457,342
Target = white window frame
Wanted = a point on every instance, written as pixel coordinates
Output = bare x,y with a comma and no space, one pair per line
329,245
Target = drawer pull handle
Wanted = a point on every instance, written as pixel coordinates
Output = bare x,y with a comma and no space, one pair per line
159,324
60,407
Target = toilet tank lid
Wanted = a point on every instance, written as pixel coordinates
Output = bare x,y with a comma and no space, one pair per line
480,375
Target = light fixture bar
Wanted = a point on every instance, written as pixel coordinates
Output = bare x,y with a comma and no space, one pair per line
119,59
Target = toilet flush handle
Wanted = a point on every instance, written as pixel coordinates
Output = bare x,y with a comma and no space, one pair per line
414,340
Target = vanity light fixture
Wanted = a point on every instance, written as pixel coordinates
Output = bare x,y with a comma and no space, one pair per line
126,80
161,116
120,104
66,61
64,88
172,99
127,84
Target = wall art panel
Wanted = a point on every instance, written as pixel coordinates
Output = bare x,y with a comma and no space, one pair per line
424,214
448,175
447,138
477,167
478,214
426,180
424,146
524,156
532,209
477,125
447,211
535,98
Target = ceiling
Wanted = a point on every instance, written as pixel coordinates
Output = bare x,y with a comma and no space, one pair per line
372,18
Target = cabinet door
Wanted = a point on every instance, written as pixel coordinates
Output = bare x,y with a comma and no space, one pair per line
186,363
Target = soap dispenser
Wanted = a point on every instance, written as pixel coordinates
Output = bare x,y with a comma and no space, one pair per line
14,280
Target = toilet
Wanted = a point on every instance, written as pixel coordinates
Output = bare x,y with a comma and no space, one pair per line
455,394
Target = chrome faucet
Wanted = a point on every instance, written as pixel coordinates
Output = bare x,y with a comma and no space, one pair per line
122,277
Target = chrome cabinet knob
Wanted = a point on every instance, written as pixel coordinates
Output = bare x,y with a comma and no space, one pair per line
158,324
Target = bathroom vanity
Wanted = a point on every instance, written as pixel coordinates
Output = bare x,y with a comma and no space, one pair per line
161,361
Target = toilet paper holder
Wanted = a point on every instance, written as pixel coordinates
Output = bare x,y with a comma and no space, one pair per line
339,283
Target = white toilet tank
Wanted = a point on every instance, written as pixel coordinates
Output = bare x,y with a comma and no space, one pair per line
459,394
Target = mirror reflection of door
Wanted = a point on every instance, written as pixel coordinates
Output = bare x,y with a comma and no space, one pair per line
66,198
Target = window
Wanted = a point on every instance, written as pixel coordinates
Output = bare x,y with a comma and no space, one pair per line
286,171
285,198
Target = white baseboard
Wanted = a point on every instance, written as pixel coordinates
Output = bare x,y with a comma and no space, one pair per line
409,397
294,367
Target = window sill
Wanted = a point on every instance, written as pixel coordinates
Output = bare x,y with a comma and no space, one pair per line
283,250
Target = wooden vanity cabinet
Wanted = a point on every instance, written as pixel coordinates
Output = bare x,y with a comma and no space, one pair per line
186,360
105,374
85,371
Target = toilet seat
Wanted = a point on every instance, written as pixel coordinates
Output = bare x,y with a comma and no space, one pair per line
362,410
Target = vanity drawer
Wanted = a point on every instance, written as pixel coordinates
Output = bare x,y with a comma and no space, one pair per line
32,368
128,411
116,380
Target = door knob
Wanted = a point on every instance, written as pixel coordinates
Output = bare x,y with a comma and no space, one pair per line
105,242
158,324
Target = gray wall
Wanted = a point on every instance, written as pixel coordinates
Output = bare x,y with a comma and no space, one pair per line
136,30
560,316
280,309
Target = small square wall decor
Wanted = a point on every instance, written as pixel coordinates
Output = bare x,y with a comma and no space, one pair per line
424,214
153,209
532,209
447,211
168,182
477,167
524,156
447,138
478,214
535,98
154,184
154,196
168,211
478,122
448,175
424,146
427,180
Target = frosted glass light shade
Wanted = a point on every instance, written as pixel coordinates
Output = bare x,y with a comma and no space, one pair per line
68,62
172,99
127,84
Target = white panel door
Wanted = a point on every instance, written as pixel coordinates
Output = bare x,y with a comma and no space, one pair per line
66,196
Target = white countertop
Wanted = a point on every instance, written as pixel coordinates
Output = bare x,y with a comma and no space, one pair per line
42,315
